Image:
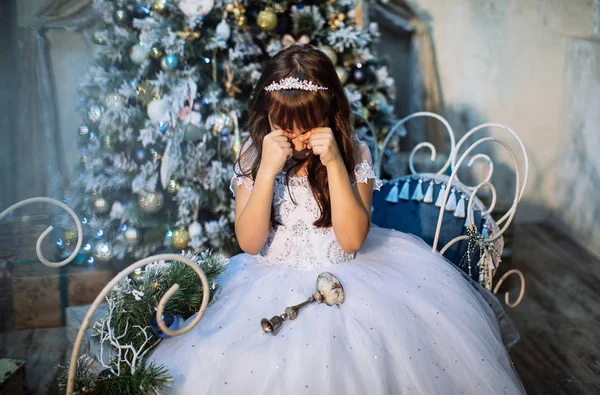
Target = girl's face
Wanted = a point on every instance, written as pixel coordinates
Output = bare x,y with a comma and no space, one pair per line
299,148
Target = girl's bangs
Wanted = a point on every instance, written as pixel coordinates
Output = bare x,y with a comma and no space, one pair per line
298,109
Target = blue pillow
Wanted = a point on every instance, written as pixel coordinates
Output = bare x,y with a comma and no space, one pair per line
410,204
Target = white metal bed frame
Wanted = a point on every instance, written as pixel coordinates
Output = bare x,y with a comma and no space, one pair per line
454,164
451,162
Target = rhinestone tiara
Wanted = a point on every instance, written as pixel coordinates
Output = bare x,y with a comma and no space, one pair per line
293,83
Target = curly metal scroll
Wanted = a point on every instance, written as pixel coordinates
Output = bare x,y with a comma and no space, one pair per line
38,246
507,218
161,305
521,291
520,188
431,147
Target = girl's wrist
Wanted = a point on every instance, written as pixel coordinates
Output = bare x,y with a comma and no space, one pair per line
266,173
337,163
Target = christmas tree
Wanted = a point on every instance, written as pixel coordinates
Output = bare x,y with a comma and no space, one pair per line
164,105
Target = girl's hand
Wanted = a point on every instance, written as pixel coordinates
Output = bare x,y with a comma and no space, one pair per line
276,150
322,142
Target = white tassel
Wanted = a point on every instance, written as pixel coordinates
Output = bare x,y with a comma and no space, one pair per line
418,193
405,189
460,207
472,218
485,233
392,197
451,205
440,197
429,194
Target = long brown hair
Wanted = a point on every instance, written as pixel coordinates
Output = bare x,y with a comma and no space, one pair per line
304,110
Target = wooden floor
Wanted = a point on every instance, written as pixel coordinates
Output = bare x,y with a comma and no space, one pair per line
559,321
559,317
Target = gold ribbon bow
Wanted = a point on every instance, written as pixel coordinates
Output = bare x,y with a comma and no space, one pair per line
287,40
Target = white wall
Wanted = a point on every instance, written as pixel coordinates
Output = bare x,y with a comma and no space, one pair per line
503,61
578,198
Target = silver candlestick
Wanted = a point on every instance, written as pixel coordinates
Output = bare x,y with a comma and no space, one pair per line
329,291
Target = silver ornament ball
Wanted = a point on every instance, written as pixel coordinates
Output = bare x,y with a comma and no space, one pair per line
132,236
101,205
151,203
94,113
195,229
102,251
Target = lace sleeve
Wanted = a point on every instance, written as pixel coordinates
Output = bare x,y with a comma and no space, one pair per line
238,173
363,171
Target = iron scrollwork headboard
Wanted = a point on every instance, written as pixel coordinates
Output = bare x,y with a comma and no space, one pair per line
454,162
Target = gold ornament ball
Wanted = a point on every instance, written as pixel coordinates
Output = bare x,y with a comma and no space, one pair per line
69,236
132,236
156,53
173,186
330,52
151,203
229,7
101,205
159,5
180,238
266,20
342,74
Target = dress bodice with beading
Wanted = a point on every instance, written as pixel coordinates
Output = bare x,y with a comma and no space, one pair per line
296,242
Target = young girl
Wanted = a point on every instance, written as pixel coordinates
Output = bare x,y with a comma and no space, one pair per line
411,322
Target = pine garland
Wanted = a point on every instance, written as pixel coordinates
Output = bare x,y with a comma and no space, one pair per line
126,332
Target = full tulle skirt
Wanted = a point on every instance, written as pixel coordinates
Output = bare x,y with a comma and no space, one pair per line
411,323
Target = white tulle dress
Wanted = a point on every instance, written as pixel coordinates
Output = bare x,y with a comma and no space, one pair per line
411,322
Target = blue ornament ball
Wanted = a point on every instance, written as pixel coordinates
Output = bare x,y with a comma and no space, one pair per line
140,156
169,63
106,373
163,126
171,321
